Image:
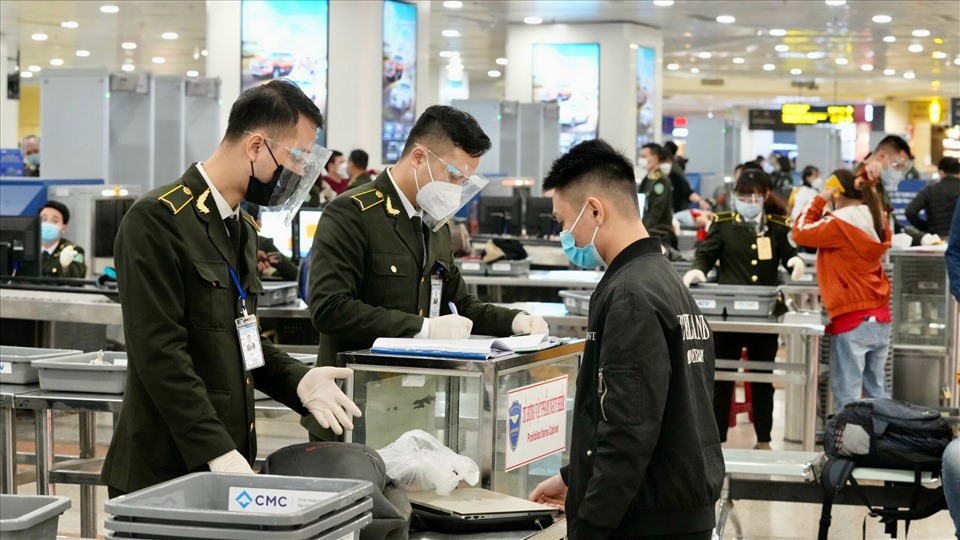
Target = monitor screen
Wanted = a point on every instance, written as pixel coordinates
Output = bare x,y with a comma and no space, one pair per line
308,220
499,215
20,245
271,226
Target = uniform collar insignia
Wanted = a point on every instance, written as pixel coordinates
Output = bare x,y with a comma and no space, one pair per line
202,200
390,209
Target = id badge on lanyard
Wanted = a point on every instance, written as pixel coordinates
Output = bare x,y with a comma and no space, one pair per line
436,291
764,248
248,331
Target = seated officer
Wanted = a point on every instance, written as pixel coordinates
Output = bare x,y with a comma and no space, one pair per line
61,257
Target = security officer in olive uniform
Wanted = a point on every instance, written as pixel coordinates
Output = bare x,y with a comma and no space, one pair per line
751,243
658,208
377,271
60,257
186,259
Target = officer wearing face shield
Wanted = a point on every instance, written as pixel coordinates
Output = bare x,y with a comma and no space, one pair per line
382,264
186,258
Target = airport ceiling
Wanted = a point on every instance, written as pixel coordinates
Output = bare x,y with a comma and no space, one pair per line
910,46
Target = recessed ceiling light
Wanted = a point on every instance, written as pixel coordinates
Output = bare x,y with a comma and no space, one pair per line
956,61
493,73
841,61
663,3
673,67
448,54
694,70
705,55
796,71
938,41
532,20
815,55
159,60
782,48
778,32
882,19
502,61
108,8
128,67
921,32
69,24
83,53
453,4
128,45
35,69
866,67
738,60
40,36
726,19
939,55
56,61
26,74
169,35
909,75
450,33
769,67
835,3
204,52
889,71
916,47
935,84
193,73
889,39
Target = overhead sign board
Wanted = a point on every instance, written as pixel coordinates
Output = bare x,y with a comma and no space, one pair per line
802,113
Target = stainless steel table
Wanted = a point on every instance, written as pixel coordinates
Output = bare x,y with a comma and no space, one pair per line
8,435
561,279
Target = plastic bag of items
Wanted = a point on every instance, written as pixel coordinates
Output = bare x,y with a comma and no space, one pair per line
417,461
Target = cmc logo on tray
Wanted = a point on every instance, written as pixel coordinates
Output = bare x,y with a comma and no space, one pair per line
273,501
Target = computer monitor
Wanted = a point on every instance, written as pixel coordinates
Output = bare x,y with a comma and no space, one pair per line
107,216
272,226
307,220
20,246
539,219
499,215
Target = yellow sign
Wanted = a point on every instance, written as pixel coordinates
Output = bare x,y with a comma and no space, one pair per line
799,113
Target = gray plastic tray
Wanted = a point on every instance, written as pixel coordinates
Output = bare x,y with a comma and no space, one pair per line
576,302
471,267
76,374
31,517
139,529
307,359
15,365
201,499
509,268
350,531
735,300
278,293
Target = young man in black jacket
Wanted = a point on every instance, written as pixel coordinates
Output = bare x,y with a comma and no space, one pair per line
645,458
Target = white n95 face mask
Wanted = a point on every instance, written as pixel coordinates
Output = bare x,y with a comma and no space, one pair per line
439,199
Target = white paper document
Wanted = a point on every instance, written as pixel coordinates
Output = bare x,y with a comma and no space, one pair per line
479,349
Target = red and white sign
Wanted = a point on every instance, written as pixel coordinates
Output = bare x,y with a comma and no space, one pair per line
536,422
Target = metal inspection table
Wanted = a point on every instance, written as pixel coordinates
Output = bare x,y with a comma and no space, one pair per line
559,279
8,435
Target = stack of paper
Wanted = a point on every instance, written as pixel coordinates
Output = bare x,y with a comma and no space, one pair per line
479,349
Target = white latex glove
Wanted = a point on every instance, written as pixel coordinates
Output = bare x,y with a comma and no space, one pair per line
901,241
319,393
450,327
797,267
525,323
231,462
930,240
67,255
693,277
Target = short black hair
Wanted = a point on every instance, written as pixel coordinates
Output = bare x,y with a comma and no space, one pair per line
949,165
809,171
359,158
334,154
752,180
274,107
442,124
750,166
596,162
59,207
785,165
671,147
655,149
894,144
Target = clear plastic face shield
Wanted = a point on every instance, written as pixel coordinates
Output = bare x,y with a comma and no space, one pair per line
299,170
450,191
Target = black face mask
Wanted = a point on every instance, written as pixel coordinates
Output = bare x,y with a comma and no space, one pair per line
257,191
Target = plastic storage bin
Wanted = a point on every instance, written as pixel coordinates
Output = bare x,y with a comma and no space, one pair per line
15,362
350,531
203,500
31,517
76,374
509,268
735,300
278,293
471,267
307,359
576,302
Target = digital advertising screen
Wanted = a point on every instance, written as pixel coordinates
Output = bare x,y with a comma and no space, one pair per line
308,228
569,75
646,96
272,226
286,39
399,76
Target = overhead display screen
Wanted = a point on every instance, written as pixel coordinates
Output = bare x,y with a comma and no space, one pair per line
646,96
569,75
399,76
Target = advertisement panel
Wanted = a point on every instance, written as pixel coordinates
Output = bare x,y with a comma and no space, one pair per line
399,76
646,95
569,74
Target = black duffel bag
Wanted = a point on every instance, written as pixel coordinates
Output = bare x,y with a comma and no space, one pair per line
887,433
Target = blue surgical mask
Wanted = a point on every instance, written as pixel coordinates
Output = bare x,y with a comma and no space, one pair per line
49,232
748,210
891,178
586,256
33,160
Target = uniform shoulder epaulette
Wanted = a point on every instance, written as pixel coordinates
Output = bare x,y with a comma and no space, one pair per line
367,199
720,217
249,219
177,198
779,220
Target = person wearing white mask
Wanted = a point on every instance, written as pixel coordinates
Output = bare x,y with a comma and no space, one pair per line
61,257
382,263
658,194
802,194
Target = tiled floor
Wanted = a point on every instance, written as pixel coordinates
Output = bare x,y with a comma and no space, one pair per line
760,520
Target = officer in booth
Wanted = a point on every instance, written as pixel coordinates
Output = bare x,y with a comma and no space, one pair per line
60,257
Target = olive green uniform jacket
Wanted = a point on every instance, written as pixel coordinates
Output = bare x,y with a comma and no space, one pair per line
51,262
733,241
189,398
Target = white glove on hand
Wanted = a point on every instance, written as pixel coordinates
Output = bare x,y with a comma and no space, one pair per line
930,240
67,255
319,393
450,327
525,323
231,462
797,266
693,277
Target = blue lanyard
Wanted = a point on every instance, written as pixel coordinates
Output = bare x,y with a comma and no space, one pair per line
243,293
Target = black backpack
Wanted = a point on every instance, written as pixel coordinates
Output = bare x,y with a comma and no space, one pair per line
887,433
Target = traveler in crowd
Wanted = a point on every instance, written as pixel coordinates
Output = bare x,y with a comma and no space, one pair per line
937,200
802,194
357,169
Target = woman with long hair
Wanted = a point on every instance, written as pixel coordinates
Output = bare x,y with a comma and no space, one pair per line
851,240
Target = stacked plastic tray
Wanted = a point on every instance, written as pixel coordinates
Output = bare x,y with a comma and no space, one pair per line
83,373
218,506
476,267
15,362
735,300
31,517
576,302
